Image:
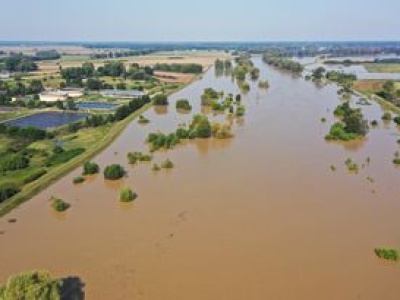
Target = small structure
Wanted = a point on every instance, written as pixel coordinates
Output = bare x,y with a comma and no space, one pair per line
53,96
73,92
60,95
122,93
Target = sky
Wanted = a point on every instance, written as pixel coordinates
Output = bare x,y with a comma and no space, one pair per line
200,20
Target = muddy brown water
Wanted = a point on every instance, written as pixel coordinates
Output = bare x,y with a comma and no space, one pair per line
259,216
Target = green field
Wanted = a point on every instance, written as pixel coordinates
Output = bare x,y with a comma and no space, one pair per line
382,68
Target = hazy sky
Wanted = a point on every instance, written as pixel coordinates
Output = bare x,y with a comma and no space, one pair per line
199,20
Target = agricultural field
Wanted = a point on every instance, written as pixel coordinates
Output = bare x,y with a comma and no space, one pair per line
382,68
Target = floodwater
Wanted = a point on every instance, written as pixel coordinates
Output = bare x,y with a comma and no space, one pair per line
259,216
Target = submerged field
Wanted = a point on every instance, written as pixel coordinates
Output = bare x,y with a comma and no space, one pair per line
240,218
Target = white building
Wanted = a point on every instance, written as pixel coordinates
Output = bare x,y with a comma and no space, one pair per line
53,96
60,95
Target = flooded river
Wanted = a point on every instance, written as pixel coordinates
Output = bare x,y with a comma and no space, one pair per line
258,216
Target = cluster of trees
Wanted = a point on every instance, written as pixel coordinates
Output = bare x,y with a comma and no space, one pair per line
114,172
209,96
30,134
283,63
180,68
223,65
18,63
47,55
351,126
74,76
389,92
13,162
121,53
160,99
343,79
200,127
17,88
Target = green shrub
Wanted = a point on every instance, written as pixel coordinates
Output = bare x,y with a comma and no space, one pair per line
263,84
387,116
59,205
7,190
90,168
323,120
183,104
34,176
156,168
351,166
63,157
160,99
134,157
338,132
240,111
30,286
374,123
143,120
396,161
202,126
127,195
388,254
397,120
114,172
78,180
167,164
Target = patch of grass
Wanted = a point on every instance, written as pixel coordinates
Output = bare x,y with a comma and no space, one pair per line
387,253
382,68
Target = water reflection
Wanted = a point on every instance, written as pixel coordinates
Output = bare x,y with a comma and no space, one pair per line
161,109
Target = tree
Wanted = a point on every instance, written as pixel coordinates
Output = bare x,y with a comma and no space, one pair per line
90,168
160,99
114,172
32,286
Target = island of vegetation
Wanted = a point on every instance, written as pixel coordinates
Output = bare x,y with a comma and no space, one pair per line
200,127
352,125
127,195
114,172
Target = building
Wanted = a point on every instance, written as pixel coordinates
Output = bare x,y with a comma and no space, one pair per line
60,95
122,93
53,96
73,92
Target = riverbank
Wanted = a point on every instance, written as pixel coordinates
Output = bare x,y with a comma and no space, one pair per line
54,174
